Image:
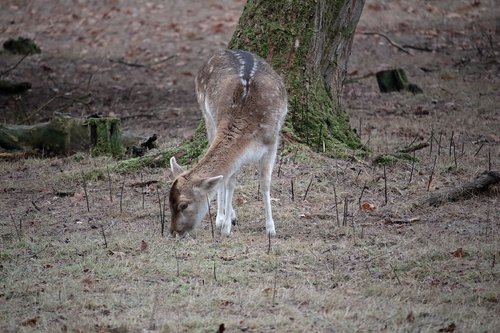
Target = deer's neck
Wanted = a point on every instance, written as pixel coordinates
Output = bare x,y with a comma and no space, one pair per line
226,154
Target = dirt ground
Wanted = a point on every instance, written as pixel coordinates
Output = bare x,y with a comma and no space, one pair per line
403,266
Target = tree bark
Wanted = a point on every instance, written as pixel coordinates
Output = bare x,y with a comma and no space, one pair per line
309,43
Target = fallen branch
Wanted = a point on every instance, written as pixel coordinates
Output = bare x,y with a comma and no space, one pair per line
478,185
15,65
401,221
401,154
411,149
139,65
398,46
418,48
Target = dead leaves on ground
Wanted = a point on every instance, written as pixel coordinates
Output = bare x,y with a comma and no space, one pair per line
369,207
32,322
459,253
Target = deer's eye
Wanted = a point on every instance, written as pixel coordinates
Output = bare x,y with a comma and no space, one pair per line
183,205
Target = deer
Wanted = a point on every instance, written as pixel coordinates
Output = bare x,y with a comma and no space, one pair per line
244,104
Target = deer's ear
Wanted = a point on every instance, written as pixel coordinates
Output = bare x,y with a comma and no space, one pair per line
176,168
209,184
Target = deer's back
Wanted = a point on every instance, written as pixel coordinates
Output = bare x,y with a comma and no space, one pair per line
240,90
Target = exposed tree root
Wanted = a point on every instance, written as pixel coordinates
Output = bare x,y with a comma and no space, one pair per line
480,184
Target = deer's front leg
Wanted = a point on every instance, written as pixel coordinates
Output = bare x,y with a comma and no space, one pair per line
221,193
228,206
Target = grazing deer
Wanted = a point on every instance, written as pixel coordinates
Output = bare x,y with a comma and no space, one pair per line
244,103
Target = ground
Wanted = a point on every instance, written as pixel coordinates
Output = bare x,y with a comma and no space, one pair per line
396,264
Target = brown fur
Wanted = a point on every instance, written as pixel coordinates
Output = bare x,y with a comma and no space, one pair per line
237,124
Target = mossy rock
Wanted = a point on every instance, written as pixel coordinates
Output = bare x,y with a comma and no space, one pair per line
21,45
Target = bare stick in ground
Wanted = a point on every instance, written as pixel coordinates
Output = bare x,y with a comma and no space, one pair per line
121,194
395,274
439,144
357,176
346,209
215,274
455,157
142,189
385,186
85,191
361,195
432,174
336,205
452,143
308,186
109,185
210,217
269,244
412,168
480,147
160,209
104,236
489,159
478,185
291,184
163,213
35,205
359,131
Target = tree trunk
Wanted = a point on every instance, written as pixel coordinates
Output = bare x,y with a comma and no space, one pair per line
309,43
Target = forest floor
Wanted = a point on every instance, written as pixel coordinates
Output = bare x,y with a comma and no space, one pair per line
388,261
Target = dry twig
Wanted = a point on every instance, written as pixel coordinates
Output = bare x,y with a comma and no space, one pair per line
398,46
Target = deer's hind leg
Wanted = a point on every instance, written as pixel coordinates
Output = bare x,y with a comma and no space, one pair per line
266,169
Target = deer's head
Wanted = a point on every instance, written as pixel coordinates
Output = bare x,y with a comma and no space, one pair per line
189,198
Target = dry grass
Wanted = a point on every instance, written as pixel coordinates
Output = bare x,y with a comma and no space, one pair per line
399,268
366,275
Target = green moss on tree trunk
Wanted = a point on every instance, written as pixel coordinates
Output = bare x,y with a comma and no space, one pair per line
285,33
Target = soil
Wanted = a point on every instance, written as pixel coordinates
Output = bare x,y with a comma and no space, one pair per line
136,60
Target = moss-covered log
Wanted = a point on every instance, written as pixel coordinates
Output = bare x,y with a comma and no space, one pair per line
64,135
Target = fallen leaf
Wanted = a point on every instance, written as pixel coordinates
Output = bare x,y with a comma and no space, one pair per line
449,328
30,322
458,253
368,206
